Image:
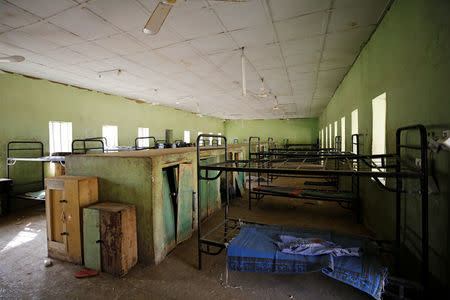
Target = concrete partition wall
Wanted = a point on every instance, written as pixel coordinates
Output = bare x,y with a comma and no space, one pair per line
123,180
408,58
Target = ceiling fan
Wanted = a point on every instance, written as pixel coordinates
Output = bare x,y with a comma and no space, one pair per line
161,12
14,58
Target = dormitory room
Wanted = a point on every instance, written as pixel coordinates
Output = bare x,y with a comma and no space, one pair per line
224,149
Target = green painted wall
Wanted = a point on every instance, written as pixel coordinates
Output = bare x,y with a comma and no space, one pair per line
408,57
296,130
27,105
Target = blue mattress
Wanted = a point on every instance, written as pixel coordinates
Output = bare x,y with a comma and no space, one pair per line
254,250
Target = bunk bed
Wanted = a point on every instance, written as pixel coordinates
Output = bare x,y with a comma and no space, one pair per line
318,159
250,249
29,152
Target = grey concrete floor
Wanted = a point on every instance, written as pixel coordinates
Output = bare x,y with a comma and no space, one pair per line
24,276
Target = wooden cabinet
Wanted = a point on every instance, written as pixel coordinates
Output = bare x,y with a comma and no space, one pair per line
110,238
65,196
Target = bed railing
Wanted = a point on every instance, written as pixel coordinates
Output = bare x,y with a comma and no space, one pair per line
98,145
200,177
136,143
21,146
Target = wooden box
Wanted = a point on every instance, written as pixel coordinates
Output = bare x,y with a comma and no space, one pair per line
65,196
110,238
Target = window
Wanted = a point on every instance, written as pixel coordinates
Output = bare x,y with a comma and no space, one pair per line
110,132
321,139
60,136
210,139
331,135
379,128
326,136
200,143
343,134
335,133
142,132
187,136
354,126
219,141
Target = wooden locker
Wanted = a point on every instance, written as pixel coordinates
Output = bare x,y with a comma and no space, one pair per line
65,197
110,244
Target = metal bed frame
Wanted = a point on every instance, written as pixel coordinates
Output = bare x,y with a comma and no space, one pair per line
33,147
313,157
98,142
136,143
392,167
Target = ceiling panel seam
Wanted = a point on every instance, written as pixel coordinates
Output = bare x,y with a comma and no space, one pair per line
327,23
269,15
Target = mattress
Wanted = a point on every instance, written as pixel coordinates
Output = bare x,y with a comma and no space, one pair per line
254,250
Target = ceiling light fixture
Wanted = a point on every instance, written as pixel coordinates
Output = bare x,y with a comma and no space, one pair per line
158,17
14,58
244,80
275,106
160,14
109,73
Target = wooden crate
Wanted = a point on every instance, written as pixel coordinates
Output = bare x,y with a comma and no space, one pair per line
110,238
65,197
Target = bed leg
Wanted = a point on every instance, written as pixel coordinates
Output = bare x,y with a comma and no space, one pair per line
226,273
199,259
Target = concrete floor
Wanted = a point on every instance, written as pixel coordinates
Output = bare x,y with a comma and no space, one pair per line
23,274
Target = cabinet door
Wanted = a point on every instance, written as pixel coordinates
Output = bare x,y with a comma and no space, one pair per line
91,239
169,213
184,202
111,241
55,206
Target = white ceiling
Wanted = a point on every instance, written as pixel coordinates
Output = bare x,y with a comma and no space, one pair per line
302,49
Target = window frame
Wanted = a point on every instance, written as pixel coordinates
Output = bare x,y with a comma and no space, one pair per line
51,137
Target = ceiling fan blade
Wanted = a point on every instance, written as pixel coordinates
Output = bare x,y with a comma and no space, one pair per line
157,18
14,58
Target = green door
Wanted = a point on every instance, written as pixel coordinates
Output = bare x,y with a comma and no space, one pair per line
168,210
91,239
184,202
213,188
204,192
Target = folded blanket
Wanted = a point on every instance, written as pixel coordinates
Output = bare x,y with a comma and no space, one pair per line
314,246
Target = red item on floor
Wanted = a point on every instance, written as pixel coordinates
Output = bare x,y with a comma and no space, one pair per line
86,273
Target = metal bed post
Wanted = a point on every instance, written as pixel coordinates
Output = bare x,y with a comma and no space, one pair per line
250,174
355,142
199,177
199,207
42,167
423,192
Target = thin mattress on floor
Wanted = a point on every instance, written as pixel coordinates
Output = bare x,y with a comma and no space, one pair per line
254,250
